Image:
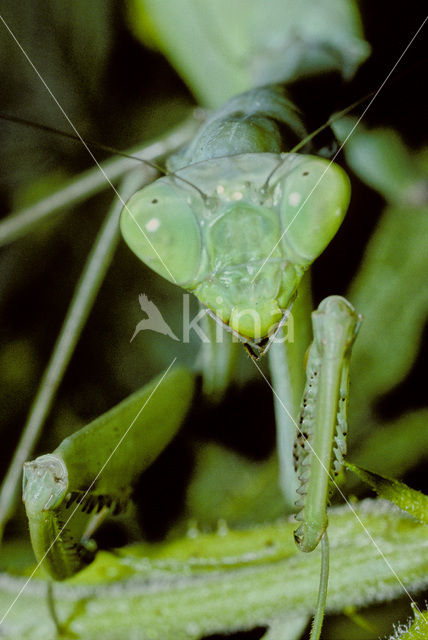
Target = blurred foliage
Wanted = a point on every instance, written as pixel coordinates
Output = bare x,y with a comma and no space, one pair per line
120,93
387,288
239,45
229,487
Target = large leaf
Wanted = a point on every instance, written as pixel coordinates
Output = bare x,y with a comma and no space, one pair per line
390,294
222,48
394,448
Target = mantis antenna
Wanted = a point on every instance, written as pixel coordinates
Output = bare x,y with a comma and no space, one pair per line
93,144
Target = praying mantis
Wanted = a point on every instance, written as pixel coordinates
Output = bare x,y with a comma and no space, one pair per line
213,226
248,246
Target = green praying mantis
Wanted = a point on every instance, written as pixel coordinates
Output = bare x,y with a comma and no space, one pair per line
237,221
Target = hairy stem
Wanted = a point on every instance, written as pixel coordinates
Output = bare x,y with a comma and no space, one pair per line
188,588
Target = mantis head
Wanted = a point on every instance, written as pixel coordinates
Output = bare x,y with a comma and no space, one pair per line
239,231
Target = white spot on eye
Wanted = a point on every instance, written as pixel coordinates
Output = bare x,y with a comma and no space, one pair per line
237,195
294,198
220,189
338,212
153,224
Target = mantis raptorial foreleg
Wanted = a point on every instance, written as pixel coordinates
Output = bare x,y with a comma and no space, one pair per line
321,439
68,492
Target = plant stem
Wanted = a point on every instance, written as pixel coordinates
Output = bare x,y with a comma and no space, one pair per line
214,584
88,183
81,304
322,593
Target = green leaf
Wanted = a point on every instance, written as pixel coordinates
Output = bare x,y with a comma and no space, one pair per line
382,160
396,447
227,486
410,500
388,291
222,48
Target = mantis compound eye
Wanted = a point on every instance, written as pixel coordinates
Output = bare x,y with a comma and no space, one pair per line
315,197
158,225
